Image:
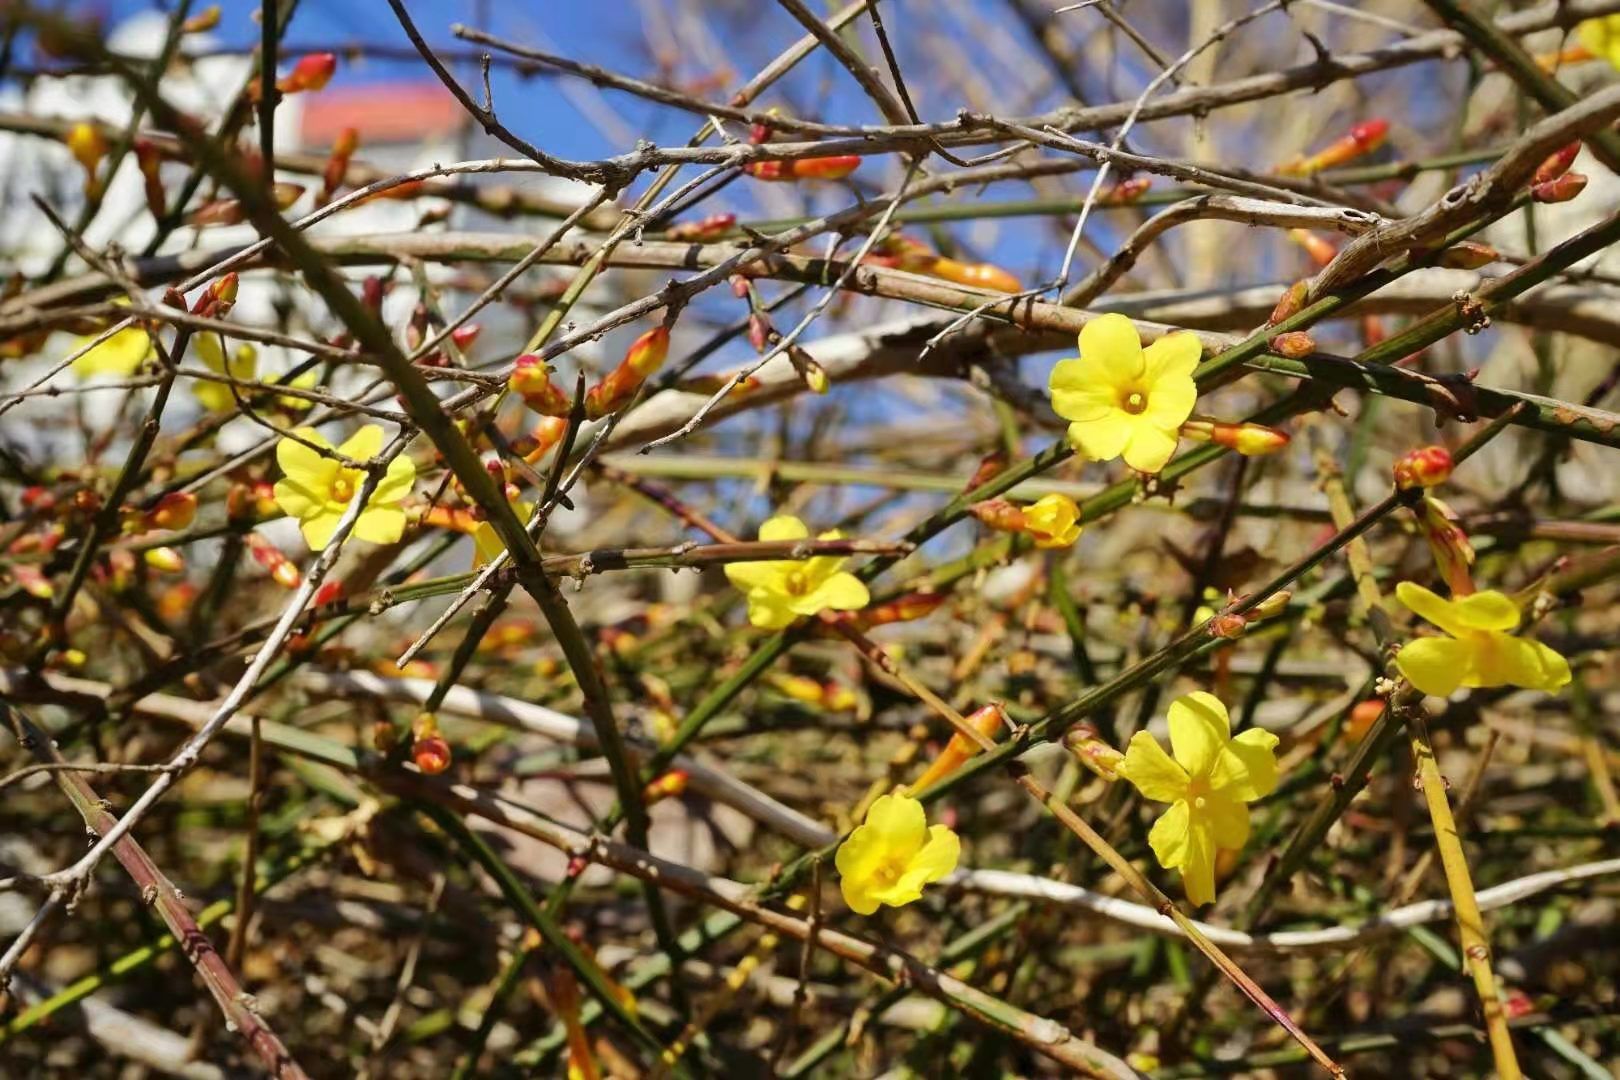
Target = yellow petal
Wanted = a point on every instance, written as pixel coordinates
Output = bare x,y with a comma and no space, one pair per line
1101,439
783,527
296,500
1247,767
1112,342
1199,729
1430,606
380,524
763,574
841,592
1173,357
899,822
1488,610
1228,821
1149,448
1514,661
319,527
396,482
1435,665
1152,770
118,356
1080,392
364,444
302,463
768,609
857,859
1171,836
1198,869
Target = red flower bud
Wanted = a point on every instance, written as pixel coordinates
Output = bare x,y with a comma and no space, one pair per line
1289,304
1424,467
1563,189
709,228
1294,345
1556,164
312,72
432,754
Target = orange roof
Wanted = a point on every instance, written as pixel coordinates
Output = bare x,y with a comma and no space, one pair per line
388,112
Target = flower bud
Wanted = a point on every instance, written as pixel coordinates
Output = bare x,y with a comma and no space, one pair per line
665,786
204,20
1563,189
1556,164
902,608
175,510
1290,303
89,146
531,380
986,720
1272,606
998,514
832,167
1248,439
978,275
1091,751
431,755
1453,554
166,560
800,688
709,228
1320,249
1053,521
281,569
648,352
1295,345
1424,467
32,580
312,72
1468,255
1125,191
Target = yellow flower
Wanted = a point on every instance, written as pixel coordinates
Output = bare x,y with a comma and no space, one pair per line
893,855
318,489
781,591
120,356
217,396
1053,521
487,542
1480,651
1122,399
291,402
1207,785
1601,36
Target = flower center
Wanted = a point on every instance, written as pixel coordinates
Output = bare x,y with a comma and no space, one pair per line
888,872
1198,793
1134,403
797,582
342,488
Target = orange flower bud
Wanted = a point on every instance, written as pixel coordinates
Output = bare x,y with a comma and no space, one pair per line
1228,626
999,514
665,786
978,275
546,434
431,755
149,159
1423,467
1363,138
1468,255
312,72
1320,249
1453,554
531,380
902,608
1291,301
1563,189
833,167
175,510
1248,439
204,20
1362,717
1295,344
985,720
709,228
1556,164
648,352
